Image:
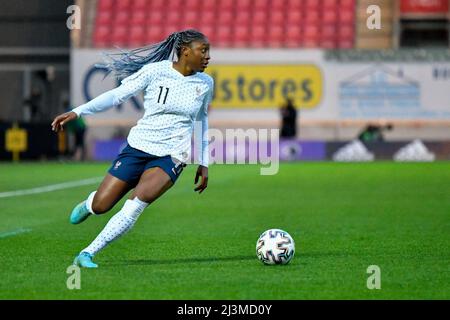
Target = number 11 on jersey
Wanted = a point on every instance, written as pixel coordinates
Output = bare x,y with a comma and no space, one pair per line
161,89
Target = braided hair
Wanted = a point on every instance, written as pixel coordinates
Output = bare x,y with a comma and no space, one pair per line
125,63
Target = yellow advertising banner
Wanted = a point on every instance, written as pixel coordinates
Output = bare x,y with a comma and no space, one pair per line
266,86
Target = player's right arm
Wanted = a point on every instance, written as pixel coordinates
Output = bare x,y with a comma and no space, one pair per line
130,87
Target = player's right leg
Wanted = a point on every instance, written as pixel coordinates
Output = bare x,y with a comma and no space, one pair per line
111,190
152,184
123,175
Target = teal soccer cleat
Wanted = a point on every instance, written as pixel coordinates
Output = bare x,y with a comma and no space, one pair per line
84,260
79,213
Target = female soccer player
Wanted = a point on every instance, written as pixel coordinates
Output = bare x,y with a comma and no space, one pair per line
177,93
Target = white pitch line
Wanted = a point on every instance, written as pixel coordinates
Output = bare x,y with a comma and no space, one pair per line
13,232
52,187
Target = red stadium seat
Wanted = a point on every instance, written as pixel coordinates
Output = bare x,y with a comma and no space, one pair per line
225,17
275,31
258,36
234,23
347,3
169,29
155,17
175,5
189,25
173,17
193,4
346,16
208,5
138,18
258,30
224,31
257,43
208,31
346,31
276,17
105,5
225,4
242,17
190,17
137,36
345,45
104,18
241,36
329,31
275,36
154,34
120,36
122,5
346,37
294,17
122,18
207,17
157,4
223,40
329,16
294,5
312,16
311,5
101,36
293,32
310,43
260,5
311,36
293,43
140,5
242,30
243,5
327,4
328,44
277,4
293,38
311,30
259,17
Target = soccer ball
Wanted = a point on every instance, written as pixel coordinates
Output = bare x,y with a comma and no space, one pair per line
275,246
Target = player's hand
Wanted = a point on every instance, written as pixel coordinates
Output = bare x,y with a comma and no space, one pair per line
61,120
203,173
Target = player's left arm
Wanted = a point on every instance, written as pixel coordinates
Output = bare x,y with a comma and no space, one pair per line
203,144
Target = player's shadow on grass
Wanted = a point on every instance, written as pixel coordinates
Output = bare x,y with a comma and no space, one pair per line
181,260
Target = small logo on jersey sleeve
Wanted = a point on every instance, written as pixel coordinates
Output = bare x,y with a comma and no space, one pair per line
198,90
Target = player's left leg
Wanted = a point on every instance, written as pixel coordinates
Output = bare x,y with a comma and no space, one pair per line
152,184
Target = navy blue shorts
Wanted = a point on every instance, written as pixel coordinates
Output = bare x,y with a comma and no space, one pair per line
131,163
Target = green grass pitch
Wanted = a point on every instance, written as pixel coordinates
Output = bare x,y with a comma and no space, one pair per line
343,217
